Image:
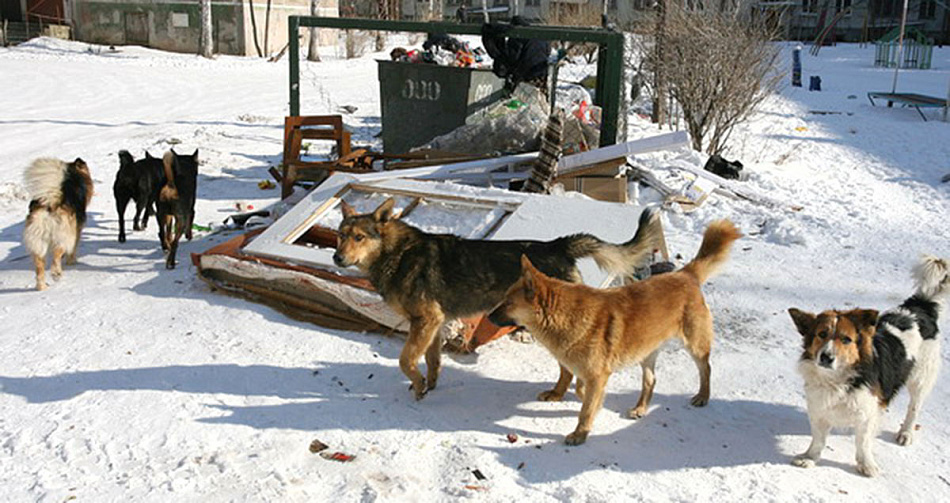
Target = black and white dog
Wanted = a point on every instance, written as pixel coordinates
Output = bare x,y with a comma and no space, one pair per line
137,181
855,362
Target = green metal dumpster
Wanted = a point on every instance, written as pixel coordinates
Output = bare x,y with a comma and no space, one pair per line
421,101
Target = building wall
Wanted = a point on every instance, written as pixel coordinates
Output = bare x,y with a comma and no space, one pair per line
161,24
174,25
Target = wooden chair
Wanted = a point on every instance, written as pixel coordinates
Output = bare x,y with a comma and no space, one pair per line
310,127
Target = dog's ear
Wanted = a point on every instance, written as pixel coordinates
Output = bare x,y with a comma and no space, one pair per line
347,210
527,277
864,320
385,211
804,321
148,156
865,323
80,164
195,155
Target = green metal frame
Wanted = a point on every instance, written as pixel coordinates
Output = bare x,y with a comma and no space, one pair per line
609,55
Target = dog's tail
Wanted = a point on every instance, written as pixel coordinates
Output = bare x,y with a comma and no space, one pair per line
169,191
44,180
620,259
717,241
125,160
932,278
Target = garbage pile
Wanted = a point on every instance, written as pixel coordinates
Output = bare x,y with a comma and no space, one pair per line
444,50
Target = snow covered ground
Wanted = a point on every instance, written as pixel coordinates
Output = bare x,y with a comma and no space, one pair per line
125,381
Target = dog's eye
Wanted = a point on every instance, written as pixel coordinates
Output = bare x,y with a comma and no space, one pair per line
823,335
358,238
846,340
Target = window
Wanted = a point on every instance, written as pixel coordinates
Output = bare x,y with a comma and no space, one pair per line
532,3
810,6
887,8
928,9
841,5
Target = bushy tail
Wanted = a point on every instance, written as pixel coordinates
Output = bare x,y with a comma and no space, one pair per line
169,191
624,258
717,241
932,277
44,180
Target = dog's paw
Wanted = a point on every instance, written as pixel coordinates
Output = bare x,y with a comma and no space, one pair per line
56,274
576,438
431,383
71,260
699,401
550,396
121,238
869,469
905,437
40,287
803,461
137,227
637,412
419,391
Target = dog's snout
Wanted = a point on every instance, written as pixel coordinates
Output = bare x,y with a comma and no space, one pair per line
825,359
338,259
499,316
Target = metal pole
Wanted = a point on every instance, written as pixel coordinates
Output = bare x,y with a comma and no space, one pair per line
293,27
947,105
900,48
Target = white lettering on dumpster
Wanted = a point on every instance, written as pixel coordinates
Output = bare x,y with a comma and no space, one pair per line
421,90
482,91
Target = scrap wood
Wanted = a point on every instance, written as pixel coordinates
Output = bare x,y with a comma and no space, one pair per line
729,188
569,163
946,178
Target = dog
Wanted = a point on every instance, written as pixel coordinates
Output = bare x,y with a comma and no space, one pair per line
431,278
855,362
594,332
138,181
60,193
175,202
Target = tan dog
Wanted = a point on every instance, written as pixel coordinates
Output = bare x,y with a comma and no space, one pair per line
594,332
59,195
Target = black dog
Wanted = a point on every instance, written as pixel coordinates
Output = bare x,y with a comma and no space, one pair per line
176,202
138,181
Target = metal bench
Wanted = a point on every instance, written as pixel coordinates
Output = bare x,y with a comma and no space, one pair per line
917,101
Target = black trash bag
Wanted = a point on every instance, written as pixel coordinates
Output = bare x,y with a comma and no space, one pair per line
443,41
516,59
730,170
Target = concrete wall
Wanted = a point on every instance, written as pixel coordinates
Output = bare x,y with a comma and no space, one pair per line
161,24
174,25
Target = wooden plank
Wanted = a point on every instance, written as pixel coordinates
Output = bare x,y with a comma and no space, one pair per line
569,163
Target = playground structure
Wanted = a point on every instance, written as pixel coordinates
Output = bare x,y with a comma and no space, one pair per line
917,53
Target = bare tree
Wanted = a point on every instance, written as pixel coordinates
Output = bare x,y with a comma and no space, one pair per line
717,66
257,45
267,27
313,54
206,44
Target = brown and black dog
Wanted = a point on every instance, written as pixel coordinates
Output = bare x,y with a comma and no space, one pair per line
175,204
60,193
431,278
594,332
